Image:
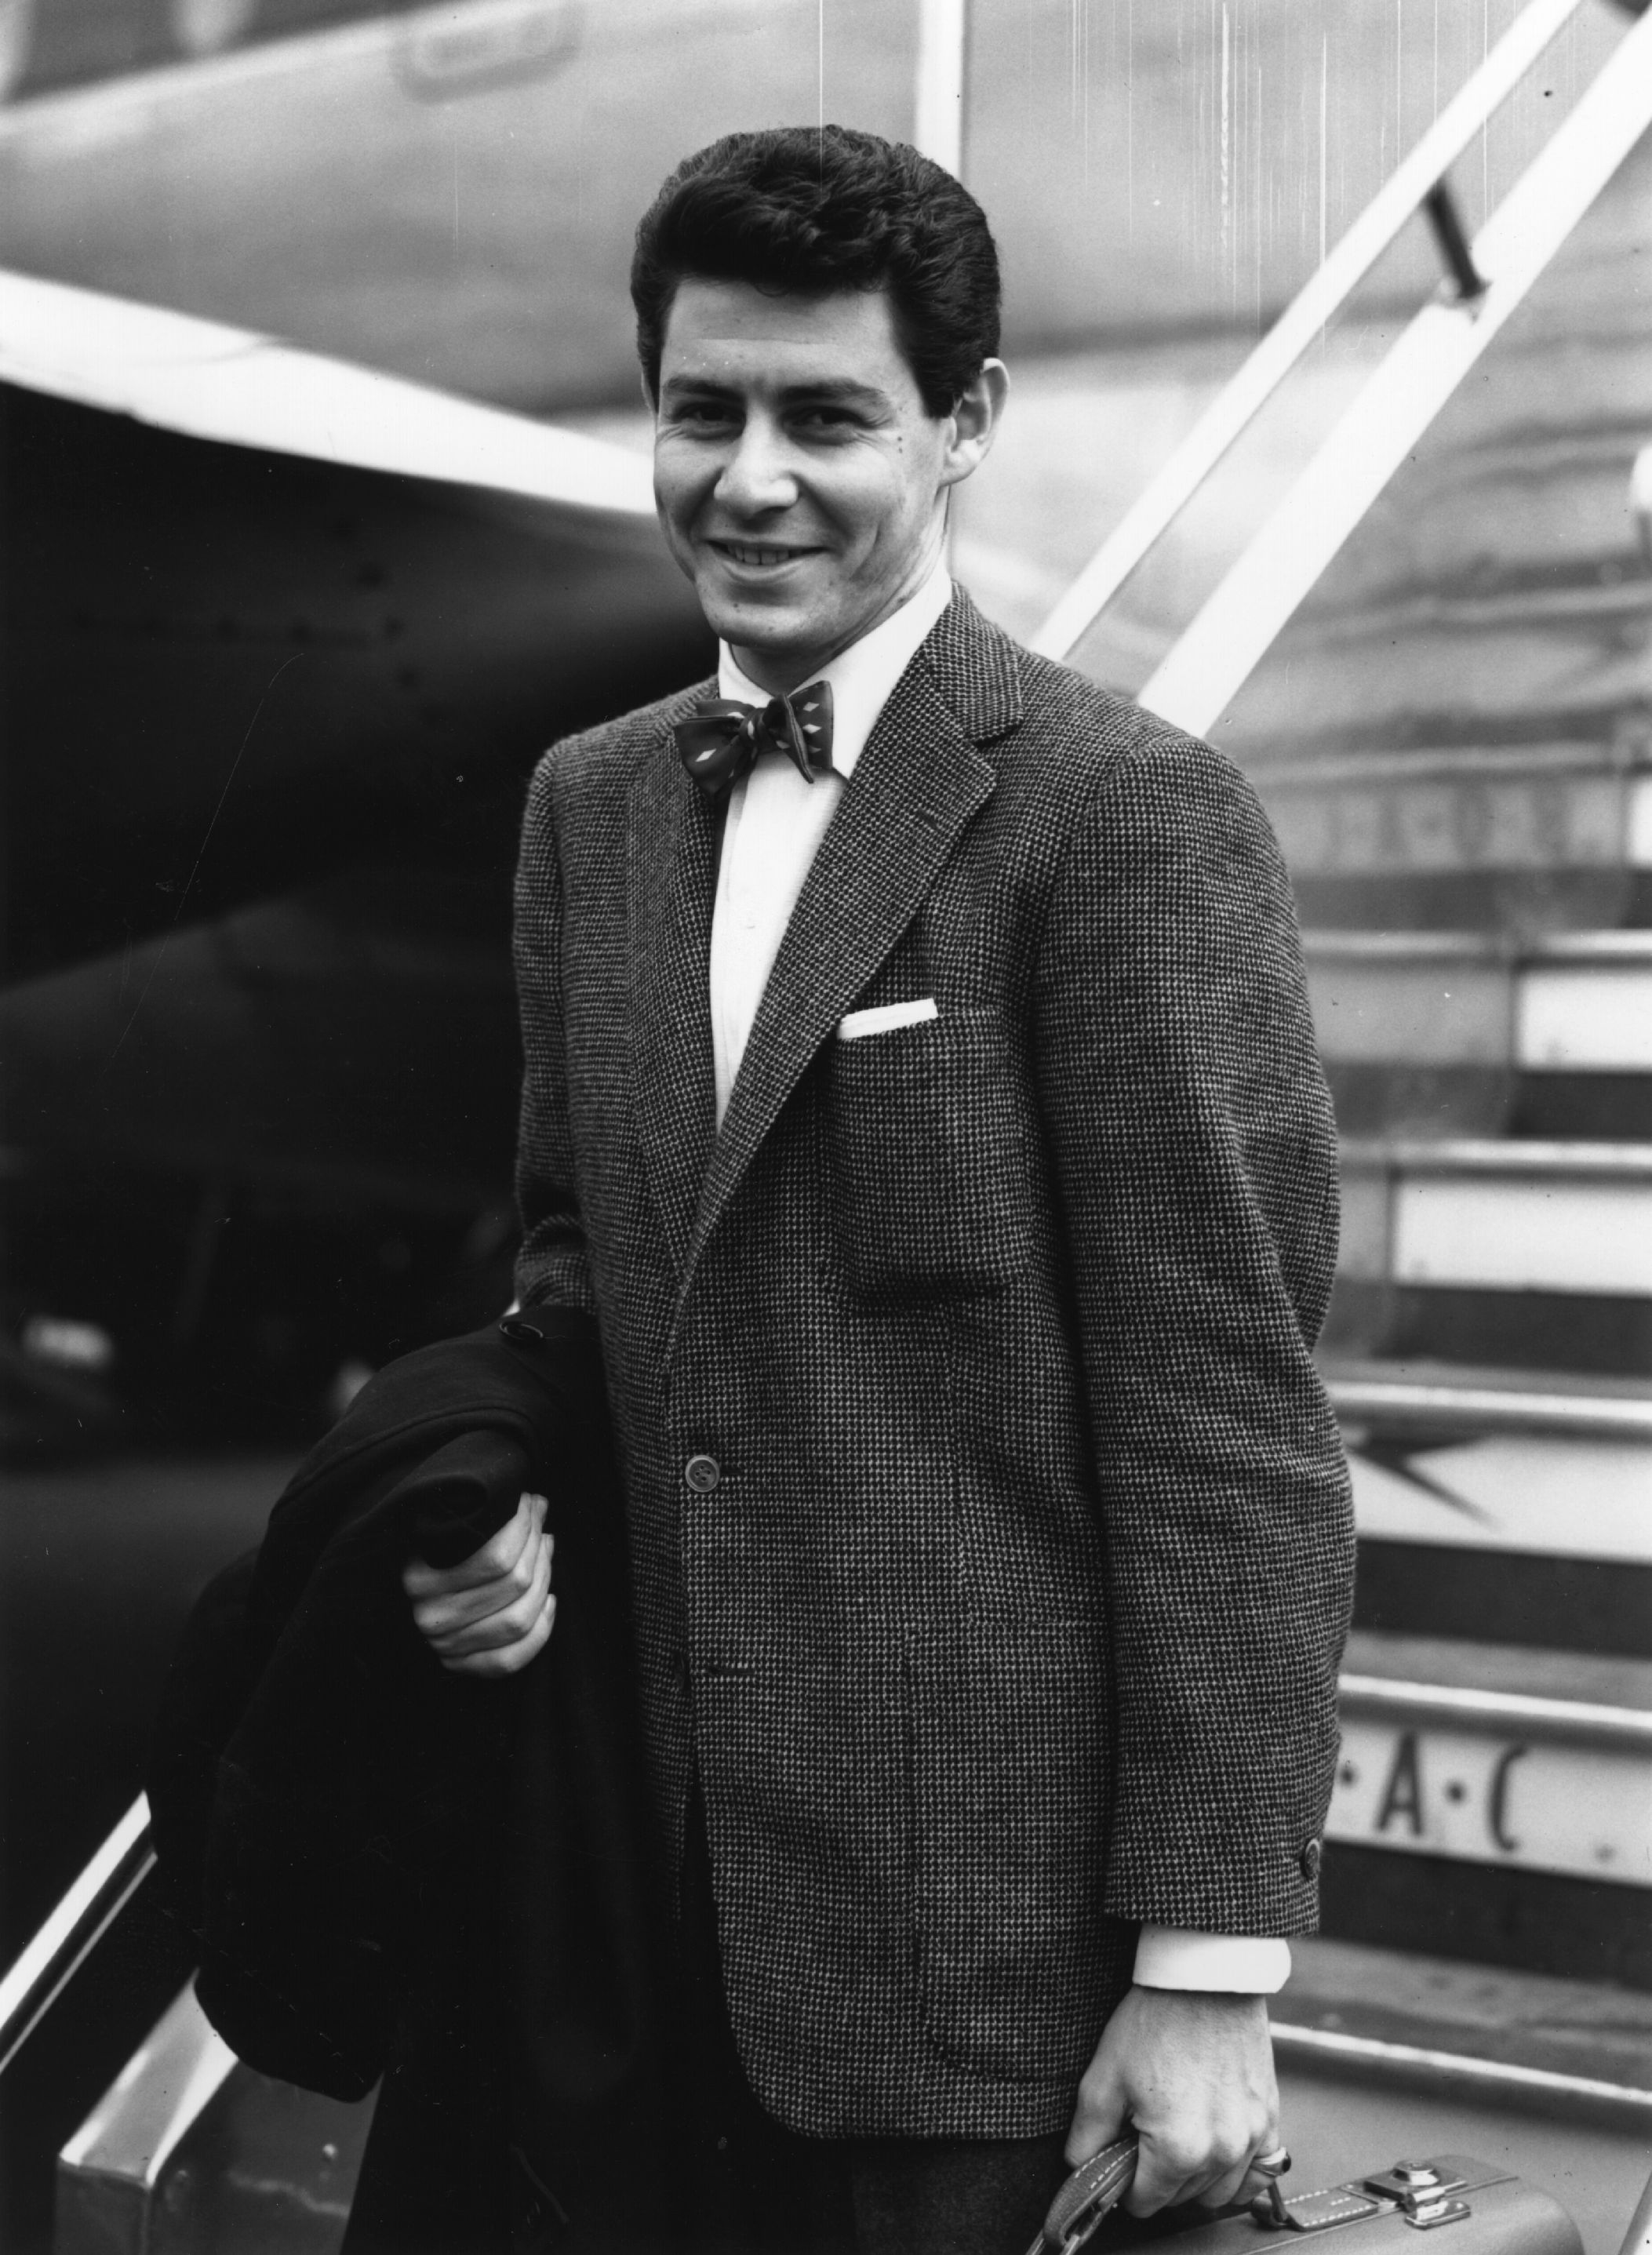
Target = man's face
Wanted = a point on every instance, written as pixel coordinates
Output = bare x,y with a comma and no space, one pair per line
799,479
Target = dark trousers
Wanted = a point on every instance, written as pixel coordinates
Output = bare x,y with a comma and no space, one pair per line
758,2188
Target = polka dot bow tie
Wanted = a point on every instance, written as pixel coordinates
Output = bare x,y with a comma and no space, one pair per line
723,738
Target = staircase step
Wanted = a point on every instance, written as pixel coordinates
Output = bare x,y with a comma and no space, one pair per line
1462,1033
1533,1598
1560,1217
189,2147
1497,1508
1375,1098
1530,1331
1593,2029
1598,1700
1569,1002
1538,1473
1535,1254
1501,1793
1523,836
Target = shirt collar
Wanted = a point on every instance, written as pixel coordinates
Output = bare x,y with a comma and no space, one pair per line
863,676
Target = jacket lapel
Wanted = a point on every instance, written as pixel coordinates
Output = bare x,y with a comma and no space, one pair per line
671,853
916,783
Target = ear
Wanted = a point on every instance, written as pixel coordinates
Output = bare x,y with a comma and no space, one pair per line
975,422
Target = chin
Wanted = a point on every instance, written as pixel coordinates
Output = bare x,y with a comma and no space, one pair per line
758,625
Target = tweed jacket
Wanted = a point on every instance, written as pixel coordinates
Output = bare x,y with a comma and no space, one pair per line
990,1539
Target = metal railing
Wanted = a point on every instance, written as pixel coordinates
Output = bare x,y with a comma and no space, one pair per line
93,1902
1571,1722
1304,321
1490,278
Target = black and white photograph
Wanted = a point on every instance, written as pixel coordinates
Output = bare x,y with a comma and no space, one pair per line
826,1178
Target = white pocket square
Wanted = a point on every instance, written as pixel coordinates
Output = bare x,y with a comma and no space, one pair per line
884,1017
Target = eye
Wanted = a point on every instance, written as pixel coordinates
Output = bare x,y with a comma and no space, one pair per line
828,421
705,414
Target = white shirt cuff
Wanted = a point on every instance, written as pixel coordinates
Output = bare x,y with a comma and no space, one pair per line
1177,1957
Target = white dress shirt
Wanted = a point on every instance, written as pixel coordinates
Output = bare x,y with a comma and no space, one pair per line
776,820
773,831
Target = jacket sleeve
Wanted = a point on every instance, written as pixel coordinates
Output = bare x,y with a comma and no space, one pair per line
553,1265
1194,1158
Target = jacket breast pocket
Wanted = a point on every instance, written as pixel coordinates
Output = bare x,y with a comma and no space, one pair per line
931,1155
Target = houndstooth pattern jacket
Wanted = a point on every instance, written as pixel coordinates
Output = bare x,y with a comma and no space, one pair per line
989,1531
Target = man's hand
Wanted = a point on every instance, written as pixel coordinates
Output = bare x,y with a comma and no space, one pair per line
1191,2073
490,1614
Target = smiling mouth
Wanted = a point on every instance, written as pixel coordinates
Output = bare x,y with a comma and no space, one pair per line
754,552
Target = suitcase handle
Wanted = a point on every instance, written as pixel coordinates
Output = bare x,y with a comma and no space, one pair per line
1089,2195
1097,2186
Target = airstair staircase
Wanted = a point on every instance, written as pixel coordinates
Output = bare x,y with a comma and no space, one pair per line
1434,658
1454,736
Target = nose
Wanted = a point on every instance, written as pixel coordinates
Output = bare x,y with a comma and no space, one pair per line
757,477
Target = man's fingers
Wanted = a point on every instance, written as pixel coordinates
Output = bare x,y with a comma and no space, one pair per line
1171,2172
1225,2185
1166,2171
508,1659
496,1558
438,1617
1101,2116
1236,2185
505,1622
1215,2172
1251,2178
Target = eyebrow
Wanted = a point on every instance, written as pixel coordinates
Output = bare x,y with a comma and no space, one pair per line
839,390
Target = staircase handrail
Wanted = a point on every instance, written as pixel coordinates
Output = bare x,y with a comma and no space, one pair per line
72,1930
1321,297
1285,558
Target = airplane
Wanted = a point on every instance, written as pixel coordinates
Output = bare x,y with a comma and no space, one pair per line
263,1057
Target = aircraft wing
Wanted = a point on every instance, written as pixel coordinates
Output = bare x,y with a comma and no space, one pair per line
204,380
263,611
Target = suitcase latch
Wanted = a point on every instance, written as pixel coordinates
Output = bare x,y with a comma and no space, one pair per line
1426,2196
1411,2182
1429,2215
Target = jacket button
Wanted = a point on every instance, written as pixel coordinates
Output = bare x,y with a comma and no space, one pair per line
520,1332
1308,1862
702,1474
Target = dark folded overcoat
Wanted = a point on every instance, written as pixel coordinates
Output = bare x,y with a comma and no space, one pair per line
390,1869
989,1532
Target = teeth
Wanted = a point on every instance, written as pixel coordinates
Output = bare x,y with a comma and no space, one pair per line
744,554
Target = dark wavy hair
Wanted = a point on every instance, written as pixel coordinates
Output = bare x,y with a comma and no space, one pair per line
807,210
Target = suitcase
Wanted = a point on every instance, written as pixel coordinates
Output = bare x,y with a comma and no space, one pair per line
1486,2210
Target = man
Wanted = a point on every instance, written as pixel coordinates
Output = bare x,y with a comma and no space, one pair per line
934,1132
